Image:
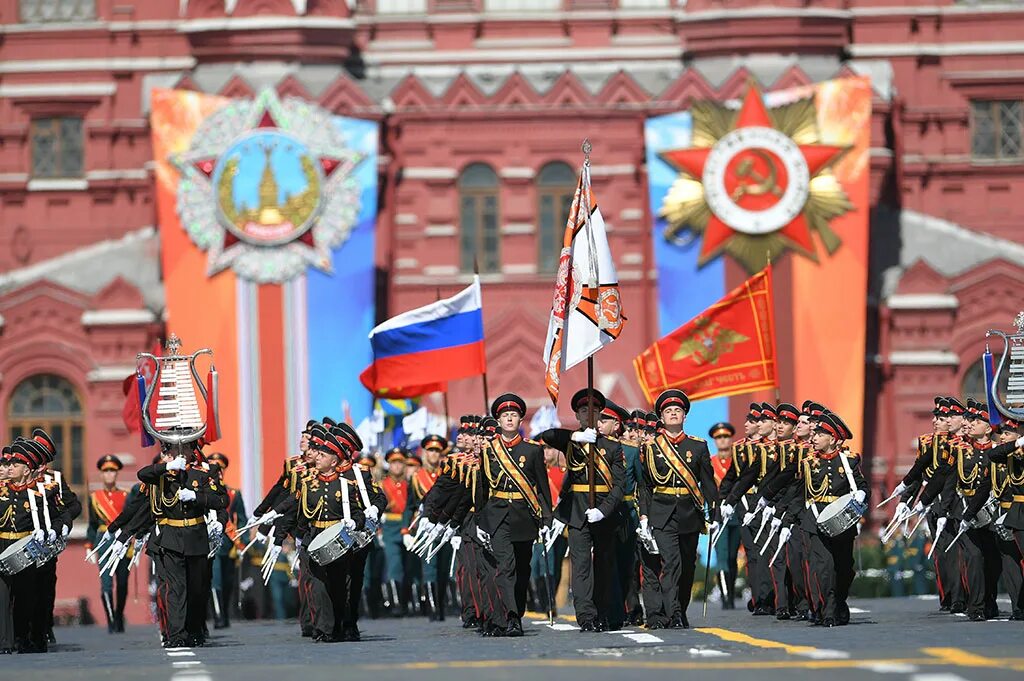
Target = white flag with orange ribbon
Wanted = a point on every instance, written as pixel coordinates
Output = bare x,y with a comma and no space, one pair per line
586,313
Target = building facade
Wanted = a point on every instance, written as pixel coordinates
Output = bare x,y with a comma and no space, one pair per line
482,105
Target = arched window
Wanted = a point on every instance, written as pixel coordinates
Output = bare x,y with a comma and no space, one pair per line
478,218
556,185
50,402
973,384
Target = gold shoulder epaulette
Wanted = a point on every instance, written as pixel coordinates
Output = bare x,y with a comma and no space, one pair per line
533,442
698,439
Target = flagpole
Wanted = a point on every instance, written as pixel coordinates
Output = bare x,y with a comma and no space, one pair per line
778,391
444,393
487,397
591,484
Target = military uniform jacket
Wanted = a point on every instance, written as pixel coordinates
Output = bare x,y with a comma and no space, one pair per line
513,488
965,485
104,506
66,503
609,476
933,461
825,480
321,503
181,526
16,512
137,500
746,458
420,487
1008,482
677,482
285,486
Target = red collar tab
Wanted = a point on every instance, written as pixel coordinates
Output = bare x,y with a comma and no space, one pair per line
513,442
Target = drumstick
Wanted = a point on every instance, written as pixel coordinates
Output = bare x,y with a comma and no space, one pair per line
887,500
776,554
46,509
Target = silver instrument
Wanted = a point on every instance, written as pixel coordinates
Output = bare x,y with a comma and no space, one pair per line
648,542
366,536
987,514
178,421
21,554
840,515
331,544
1013,349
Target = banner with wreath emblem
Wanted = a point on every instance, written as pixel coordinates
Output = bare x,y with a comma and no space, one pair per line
267,214
780,177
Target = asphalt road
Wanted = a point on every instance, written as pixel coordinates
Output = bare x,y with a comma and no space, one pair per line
892,638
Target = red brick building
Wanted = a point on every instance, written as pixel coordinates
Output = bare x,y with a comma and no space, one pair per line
482,105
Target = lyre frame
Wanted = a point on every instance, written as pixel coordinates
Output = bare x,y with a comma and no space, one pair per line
1007,412
191,434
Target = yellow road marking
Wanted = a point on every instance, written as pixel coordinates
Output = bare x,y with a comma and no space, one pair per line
531,615
737,637
962,658
966,661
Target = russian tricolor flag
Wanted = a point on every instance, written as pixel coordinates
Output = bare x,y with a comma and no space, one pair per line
419,351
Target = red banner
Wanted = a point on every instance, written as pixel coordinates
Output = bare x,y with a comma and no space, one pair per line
728,349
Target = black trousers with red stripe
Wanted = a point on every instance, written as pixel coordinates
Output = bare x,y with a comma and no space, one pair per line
182,591
830,564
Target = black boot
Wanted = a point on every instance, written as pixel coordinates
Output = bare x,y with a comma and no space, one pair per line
430,601
514,628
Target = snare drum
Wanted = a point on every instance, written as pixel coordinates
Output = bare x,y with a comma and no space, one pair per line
18,556
330,545
364,537
840,515
986,514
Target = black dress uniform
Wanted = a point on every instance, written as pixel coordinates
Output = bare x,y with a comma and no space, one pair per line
934,457
826,477
514,498
678,481
1008,489
591,545
966,489
180,544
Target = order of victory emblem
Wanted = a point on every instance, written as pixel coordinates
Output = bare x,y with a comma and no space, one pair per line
267,188
755,183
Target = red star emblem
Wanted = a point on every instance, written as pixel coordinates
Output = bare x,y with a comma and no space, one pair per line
755,180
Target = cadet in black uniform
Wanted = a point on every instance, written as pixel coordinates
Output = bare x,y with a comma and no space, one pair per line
514,502
181,491
1008,488
592,525
678,480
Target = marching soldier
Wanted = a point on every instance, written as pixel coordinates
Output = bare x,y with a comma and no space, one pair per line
827,475
513,501
393,528
106,504
728,546
678,480
612,424
1008,488
225,562
966,490
592,520
435,580
181,491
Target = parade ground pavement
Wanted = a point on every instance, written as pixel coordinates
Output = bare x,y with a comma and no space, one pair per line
887,638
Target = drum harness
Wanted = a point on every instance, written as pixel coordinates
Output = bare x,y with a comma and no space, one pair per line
849,477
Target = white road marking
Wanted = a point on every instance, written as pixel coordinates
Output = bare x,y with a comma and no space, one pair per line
175,650
186,663
708,652
858,611
889,667
825,654
644,638
621,631
563,627
180,653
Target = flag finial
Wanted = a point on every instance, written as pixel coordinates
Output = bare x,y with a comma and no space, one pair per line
587,147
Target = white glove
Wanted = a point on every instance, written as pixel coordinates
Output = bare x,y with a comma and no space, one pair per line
761,503
712,528
1020,441
298,544
860,495
644,525
65,531
748,518
588,436
456,542
407,541
51,535
177,464
39,536
273,551
106,536
776,524
186,495
769,511
483,536
348,524
373,513
784,535
261,538
139,543
594,515
964,526
93,558
902,509
899,489
940,525
425,525
727,512
214,527
919,507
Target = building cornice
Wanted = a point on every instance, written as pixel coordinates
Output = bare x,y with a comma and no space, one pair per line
118,317
922,301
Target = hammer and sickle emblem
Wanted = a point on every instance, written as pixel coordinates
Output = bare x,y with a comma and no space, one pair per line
763,185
